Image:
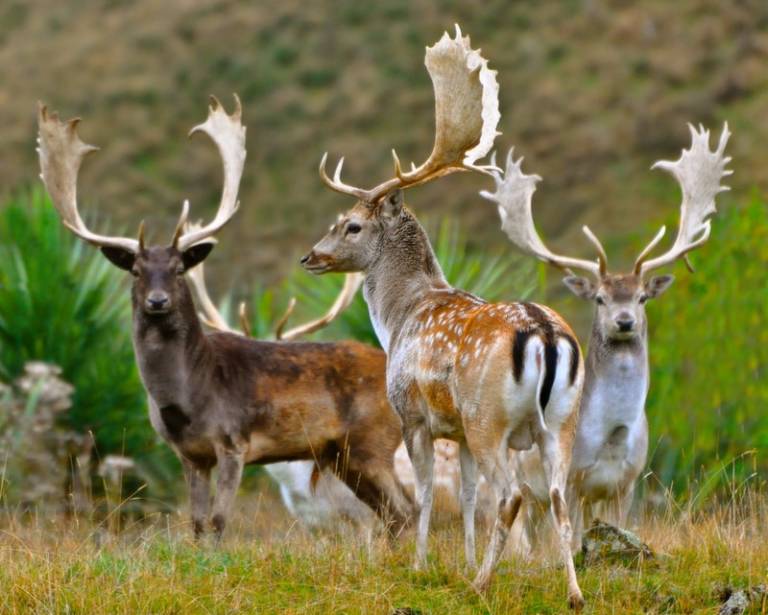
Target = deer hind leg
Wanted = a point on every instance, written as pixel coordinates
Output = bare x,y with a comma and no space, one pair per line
418,442
468,502
556,471
623,505
230,472
495,469
199,484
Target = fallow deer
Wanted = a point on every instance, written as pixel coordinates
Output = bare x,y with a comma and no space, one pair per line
221,399
316,499
611,443
489,376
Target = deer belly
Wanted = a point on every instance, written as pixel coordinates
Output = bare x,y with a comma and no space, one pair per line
607,478
299,425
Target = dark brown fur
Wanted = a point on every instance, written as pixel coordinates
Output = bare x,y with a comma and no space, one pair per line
226,400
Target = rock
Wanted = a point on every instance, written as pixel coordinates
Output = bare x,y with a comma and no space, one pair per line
736,602
605,542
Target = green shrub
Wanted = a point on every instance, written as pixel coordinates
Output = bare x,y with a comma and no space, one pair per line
709,359
62,302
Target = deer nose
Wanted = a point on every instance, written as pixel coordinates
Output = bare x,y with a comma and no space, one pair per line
625,324
157,300
305,259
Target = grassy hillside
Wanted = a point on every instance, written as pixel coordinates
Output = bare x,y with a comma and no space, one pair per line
592,93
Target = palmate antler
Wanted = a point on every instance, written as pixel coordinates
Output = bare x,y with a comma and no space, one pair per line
513,196
466,117
698,171
61,153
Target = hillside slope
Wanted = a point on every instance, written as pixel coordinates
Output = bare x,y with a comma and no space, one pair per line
592,93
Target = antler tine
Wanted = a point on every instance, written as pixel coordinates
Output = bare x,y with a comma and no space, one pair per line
336,183
466,118
648,249
61,153
513,196
181,225
699,172
245,325
284,318
602,257
228,133
352,282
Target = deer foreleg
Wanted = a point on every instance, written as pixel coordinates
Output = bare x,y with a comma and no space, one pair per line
199,484
420,447
468,502
230,472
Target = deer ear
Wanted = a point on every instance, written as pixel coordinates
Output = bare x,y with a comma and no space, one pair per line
581,287
119,257
658,284
196,254
392,205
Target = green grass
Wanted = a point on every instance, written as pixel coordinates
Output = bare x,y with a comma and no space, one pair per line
267,565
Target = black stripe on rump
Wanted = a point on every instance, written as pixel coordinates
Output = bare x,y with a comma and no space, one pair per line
574,356
544,326
518,352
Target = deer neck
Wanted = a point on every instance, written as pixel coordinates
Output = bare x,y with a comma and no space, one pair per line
616,379
405,270
168,347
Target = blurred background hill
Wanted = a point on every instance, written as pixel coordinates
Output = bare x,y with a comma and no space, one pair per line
592,92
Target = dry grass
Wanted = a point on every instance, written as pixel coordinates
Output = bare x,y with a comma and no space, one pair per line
269,565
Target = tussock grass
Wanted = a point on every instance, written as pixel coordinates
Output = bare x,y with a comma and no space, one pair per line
267,564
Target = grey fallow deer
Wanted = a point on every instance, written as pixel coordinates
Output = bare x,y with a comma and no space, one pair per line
223,400
489,376
611,443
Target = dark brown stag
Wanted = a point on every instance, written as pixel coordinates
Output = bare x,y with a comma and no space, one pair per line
224,400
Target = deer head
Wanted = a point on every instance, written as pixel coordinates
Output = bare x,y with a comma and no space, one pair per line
467,113
620,298
159,285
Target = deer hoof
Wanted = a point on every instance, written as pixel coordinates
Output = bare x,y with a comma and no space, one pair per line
576,602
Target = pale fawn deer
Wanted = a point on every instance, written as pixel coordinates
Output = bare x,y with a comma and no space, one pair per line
489,376
221,399
611,443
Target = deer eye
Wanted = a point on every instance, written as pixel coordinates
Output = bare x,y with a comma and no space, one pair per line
354,228
135,271
600,301
643,299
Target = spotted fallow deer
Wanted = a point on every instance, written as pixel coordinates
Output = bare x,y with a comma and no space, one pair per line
221,399
611,442
489,376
